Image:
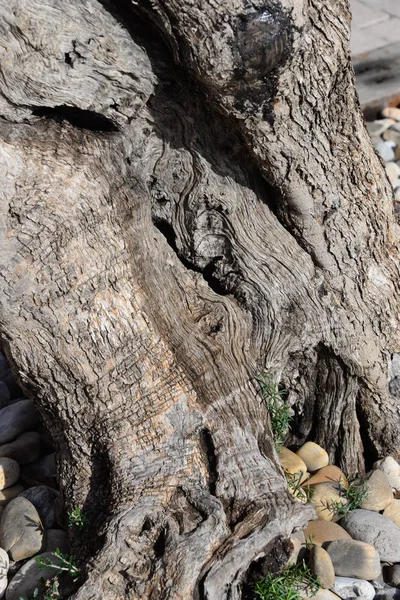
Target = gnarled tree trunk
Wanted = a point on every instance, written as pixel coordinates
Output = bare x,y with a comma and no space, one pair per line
189,196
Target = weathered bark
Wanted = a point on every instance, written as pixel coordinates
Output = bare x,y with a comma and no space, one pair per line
189,195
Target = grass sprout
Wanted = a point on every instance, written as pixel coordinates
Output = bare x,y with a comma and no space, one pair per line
279,411
354,497
309,543
302,492
287,584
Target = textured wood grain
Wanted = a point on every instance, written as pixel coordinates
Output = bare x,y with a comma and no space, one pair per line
189,196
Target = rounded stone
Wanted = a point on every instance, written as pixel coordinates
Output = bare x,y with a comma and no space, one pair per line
392,170
42,469
299,547
21,532
324,595
3,584
321,566
324,498
392,512
379,126
348,587
13,387
4,562
4,395
42,498
30,576
4,566
388,593
374,529
4,366
329,474
391,575
17,418
385,151
25,449
318,532
391,135
395,372
9,494
9,472
290,462
313,456
391,112
351,558
391,468
379,492
57,538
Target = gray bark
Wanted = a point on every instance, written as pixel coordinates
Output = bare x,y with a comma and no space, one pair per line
189,196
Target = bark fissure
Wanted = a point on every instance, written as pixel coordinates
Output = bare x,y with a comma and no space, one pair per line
212,462
77,117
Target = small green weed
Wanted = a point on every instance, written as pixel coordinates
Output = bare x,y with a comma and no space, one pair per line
77,518
353,497
287,584
278,409
310,542
294,483
64,564
356,493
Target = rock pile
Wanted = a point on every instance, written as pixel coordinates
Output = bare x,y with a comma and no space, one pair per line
385,134
28,494
353,546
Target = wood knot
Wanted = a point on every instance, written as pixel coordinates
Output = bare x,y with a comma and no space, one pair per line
264,41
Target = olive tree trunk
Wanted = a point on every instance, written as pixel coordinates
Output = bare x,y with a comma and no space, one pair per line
188,197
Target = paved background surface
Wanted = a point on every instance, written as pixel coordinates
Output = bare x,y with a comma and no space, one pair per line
376,23
375,48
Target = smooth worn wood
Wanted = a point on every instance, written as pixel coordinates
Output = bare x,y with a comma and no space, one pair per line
189,196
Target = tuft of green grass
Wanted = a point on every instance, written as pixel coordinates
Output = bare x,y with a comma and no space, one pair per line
356,493
310,542
287,584
353,497
304,493
77,518
279,411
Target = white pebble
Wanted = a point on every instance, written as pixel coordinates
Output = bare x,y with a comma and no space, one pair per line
392,170
391,113
385,151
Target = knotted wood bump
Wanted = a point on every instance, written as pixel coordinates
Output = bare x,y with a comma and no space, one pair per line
264,42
